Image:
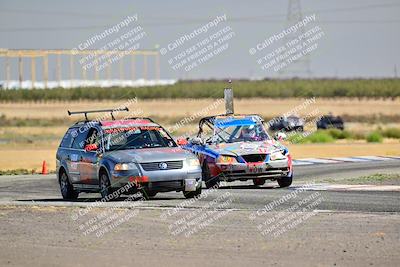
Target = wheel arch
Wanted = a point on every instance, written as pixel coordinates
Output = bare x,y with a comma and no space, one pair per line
103,168
61,170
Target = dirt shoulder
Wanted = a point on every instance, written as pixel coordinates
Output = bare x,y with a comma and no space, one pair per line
48,237
374,179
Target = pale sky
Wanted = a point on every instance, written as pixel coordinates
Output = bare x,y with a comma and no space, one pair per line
361,37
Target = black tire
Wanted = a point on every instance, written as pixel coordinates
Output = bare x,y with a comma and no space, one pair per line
105,186
66,188
300,129
192,194
258,181
207,178
147,194
285,181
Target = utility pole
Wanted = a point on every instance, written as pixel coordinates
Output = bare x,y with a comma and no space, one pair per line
228,96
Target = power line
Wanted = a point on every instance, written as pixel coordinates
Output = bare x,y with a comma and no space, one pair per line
72,28
353,8
179,22
53,13
100,15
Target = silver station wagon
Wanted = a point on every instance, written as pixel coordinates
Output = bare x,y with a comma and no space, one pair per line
116,157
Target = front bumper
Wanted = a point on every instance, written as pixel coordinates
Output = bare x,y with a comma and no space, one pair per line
265,170
161,181
166,186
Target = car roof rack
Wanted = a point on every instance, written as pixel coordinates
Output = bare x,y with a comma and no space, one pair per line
97,111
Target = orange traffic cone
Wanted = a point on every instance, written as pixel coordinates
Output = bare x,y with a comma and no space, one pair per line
44,167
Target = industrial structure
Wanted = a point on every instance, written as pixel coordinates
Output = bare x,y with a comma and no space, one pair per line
302,66
109,57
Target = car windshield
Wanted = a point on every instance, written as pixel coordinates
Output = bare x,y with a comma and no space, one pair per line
122,138
240,133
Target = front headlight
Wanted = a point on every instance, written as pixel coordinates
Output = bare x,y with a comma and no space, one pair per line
226,159
192,162
277,155
125,166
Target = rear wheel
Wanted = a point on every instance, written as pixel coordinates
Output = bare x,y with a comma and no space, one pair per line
67,190
285,181
258,181
207,178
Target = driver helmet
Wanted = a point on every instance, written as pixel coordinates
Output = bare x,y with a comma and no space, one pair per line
249,132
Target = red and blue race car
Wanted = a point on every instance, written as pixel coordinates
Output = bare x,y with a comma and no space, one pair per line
237,147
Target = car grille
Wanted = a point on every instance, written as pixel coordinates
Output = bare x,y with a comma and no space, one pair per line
254,157
155,166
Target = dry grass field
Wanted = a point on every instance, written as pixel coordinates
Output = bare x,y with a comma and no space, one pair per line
182,107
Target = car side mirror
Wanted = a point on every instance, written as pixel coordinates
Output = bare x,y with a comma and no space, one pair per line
279,136
197,141
182,141
91,147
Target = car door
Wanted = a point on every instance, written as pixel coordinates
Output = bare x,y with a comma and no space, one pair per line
88,165
64,154
71,156
76,154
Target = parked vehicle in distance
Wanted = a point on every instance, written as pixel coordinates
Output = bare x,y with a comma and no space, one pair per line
237,147
104,156
288,124
330,121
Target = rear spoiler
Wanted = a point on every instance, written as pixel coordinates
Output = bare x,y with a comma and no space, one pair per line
97,111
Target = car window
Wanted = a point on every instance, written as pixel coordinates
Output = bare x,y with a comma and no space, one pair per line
79,141
92,137
207,132
68,138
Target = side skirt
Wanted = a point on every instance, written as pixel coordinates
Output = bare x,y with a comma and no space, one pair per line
86,188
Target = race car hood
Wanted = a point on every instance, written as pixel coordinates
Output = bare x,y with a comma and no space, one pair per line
149,155
245,148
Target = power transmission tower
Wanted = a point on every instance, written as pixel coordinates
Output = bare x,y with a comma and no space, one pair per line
300,67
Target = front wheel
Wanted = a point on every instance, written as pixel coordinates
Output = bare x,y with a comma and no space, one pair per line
105,186
258,181
285,181
192,194
147,194
207,178
67,190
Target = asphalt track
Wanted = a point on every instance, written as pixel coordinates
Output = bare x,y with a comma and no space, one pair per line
44,190
235,225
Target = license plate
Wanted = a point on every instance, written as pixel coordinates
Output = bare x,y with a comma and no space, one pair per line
256,168
190,184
